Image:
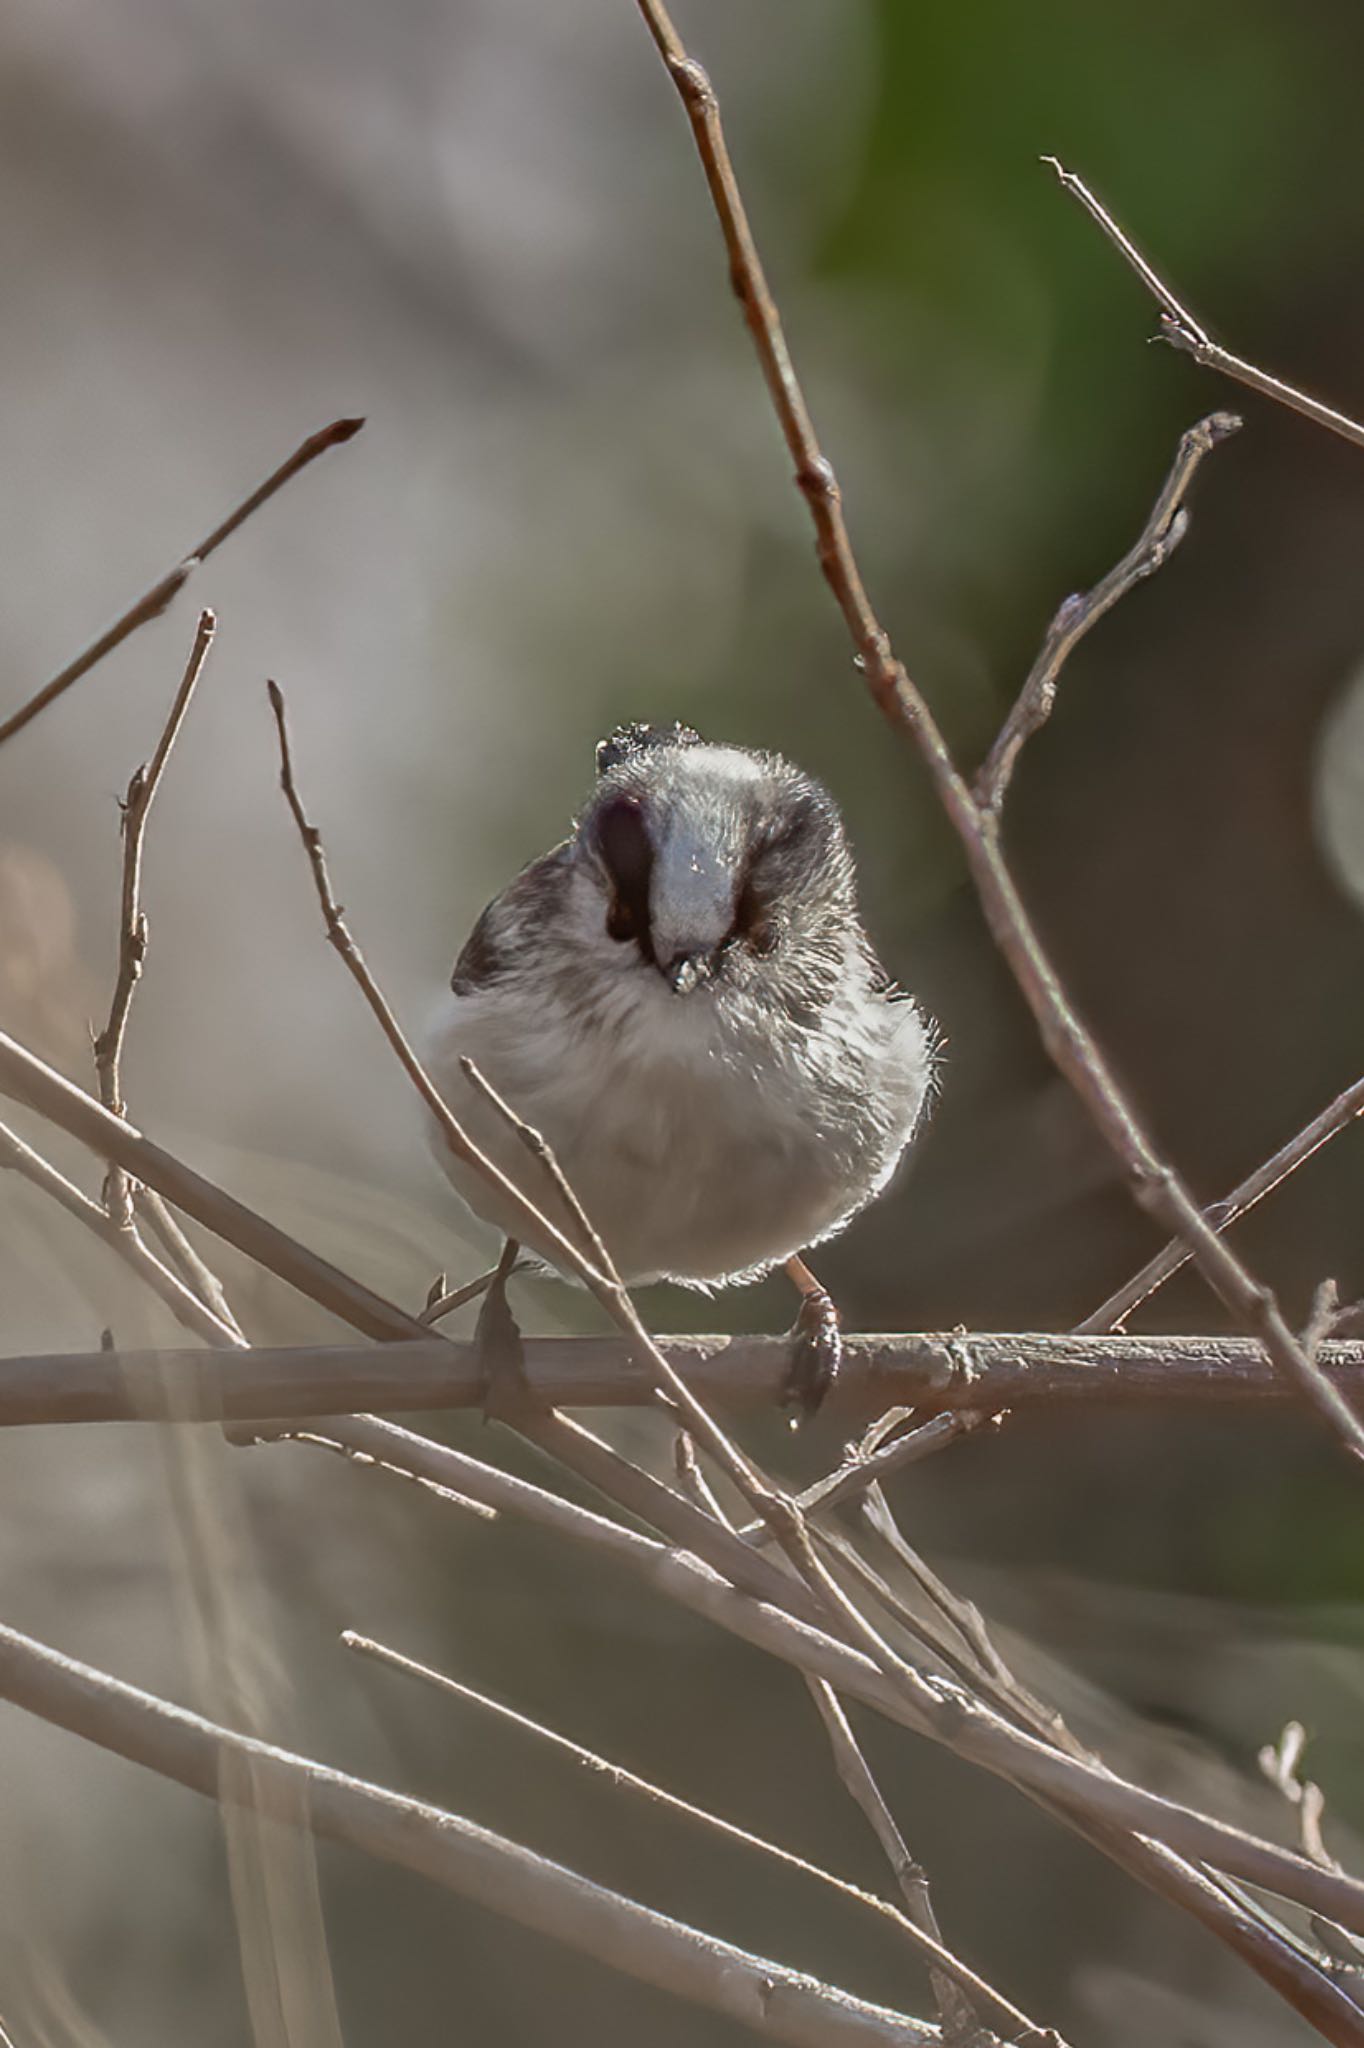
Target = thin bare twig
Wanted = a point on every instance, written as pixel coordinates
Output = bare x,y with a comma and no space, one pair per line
535,1144
530,1223
1161,535
955,2010
1154,1182
124,1239
1179,327
1346,1107
1095,1796
132,934
191,1267
500,1875
154,601
530,1220
926,1940
693,1481
865,1468
124,1197
365,1439
443,1301
27,1079
1243,1924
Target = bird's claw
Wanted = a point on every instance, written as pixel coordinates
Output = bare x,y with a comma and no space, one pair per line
816,1354
500,1353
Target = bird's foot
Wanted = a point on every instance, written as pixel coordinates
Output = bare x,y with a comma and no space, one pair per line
498,1346
816,1352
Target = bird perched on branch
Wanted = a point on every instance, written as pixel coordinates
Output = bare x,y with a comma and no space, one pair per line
681,999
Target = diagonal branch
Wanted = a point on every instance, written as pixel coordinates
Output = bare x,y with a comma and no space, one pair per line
385,1447
1179,327
1086,1794
1072,1047
183,1303
1111,1314
779,2003
27,1079
603,1282
925,1940
154,601
955,2009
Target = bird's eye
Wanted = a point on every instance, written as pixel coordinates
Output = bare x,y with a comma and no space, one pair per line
628,856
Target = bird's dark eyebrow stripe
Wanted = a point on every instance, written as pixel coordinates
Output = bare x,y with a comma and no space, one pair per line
624,844
480,959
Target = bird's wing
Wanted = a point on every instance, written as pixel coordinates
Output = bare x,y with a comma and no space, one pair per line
510,924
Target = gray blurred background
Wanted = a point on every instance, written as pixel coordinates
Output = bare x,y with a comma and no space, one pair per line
480,223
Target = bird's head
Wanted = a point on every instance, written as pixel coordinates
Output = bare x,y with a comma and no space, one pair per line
715,866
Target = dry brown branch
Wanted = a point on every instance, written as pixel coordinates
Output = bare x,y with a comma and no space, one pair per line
1095,1796
869,1462
779,1514
132,933
692,1480
123,1197
443,1300
1179,327
953,1997
1258,1941
501,1875
272,1874
530,1219
1161,535
1327,1124
1155,1183
122,1238
1251,1934
154,601
27,1079
925,1940
534,1143
1242,1924
192,1268
736,1375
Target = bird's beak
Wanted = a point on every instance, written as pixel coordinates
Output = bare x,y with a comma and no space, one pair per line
686,971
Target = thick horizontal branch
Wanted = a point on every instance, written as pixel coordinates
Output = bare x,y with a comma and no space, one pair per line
953,1373
779,2003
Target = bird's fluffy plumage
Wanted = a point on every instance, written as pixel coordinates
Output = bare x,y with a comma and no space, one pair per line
681,998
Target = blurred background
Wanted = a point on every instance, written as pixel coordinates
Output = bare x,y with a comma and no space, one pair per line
481,224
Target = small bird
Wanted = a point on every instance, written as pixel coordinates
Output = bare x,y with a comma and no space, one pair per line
681,999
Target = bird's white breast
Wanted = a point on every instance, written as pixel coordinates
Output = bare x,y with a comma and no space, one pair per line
704,1145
